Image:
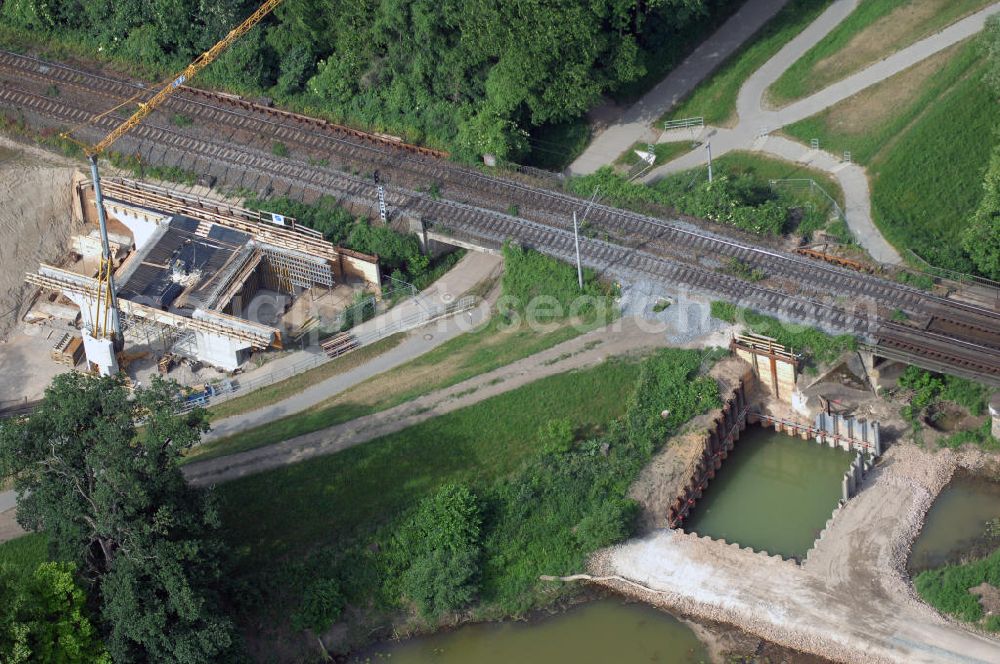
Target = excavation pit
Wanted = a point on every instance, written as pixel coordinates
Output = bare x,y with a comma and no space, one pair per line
773,493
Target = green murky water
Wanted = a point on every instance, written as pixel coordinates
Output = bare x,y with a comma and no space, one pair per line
607,630
956,523
774,493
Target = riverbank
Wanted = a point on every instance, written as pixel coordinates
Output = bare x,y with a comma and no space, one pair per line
584,626
851,601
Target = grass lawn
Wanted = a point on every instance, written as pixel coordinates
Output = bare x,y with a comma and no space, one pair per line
291,386
452,362
925,136
767,168
338,497
22,555
873,31
715,98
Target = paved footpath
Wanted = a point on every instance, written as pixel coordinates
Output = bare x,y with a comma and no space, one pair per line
621,337
636,123
472,269
756,122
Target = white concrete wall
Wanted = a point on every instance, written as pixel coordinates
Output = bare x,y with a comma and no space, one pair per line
141,222
219,351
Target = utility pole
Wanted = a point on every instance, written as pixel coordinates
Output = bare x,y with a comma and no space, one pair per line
576,238
708,146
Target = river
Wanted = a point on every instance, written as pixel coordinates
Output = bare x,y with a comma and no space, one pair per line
598,632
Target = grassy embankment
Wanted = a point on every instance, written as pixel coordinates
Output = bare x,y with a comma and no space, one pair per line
664,152
947,589
929,397
740,196
495,344
873,31
543,509
715,98
819,347
904,130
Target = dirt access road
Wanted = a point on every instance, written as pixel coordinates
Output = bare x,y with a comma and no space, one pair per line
850,600
622,337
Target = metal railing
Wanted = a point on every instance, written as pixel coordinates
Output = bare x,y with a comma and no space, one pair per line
684,123
814,188
952,275
227,389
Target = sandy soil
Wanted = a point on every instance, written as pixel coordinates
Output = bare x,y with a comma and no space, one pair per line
35,222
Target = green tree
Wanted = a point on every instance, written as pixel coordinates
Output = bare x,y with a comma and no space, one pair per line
44,619
111,498
437,553
981,238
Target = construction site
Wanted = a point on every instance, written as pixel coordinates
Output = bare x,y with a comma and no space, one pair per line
204,289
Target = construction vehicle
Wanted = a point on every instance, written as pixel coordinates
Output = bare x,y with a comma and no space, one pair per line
107,323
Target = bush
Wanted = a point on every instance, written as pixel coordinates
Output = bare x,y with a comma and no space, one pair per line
734,200
530,276
322,603
947,588
556,437
437,551
822,347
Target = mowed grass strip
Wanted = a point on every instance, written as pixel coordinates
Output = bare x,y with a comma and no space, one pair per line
873,31
292,386
452,362
868,123
715,99
342,496
926,188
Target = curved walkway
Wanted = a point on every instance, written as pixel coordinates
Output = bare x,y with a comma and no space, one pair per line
756,122
636,123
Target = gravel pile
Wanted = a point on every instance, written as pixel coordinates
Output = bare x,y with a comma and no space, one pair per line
684,317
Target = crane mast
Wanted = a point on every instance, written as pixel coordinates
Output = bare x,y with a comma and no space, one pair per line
107,321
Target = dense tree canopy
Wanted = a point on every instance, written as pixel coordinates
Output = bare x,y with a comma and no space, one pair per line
43,619
981,238
111,498
470,74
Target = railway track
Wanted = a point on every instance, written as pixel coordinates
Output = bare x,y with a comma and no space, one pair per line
665,250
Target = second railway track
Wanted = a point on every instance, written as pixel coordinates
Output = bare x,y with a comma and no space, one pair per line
542,218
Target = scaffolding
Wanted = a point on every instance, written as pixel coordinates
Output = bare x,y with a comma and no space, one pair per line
294,268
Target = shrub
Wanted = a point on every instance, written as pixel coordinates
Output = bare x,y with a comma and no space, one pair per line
437,551
529,275
556,437
321,605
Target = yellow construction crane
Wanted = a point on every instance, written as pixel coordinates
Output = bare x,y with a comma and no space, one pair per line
107,296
